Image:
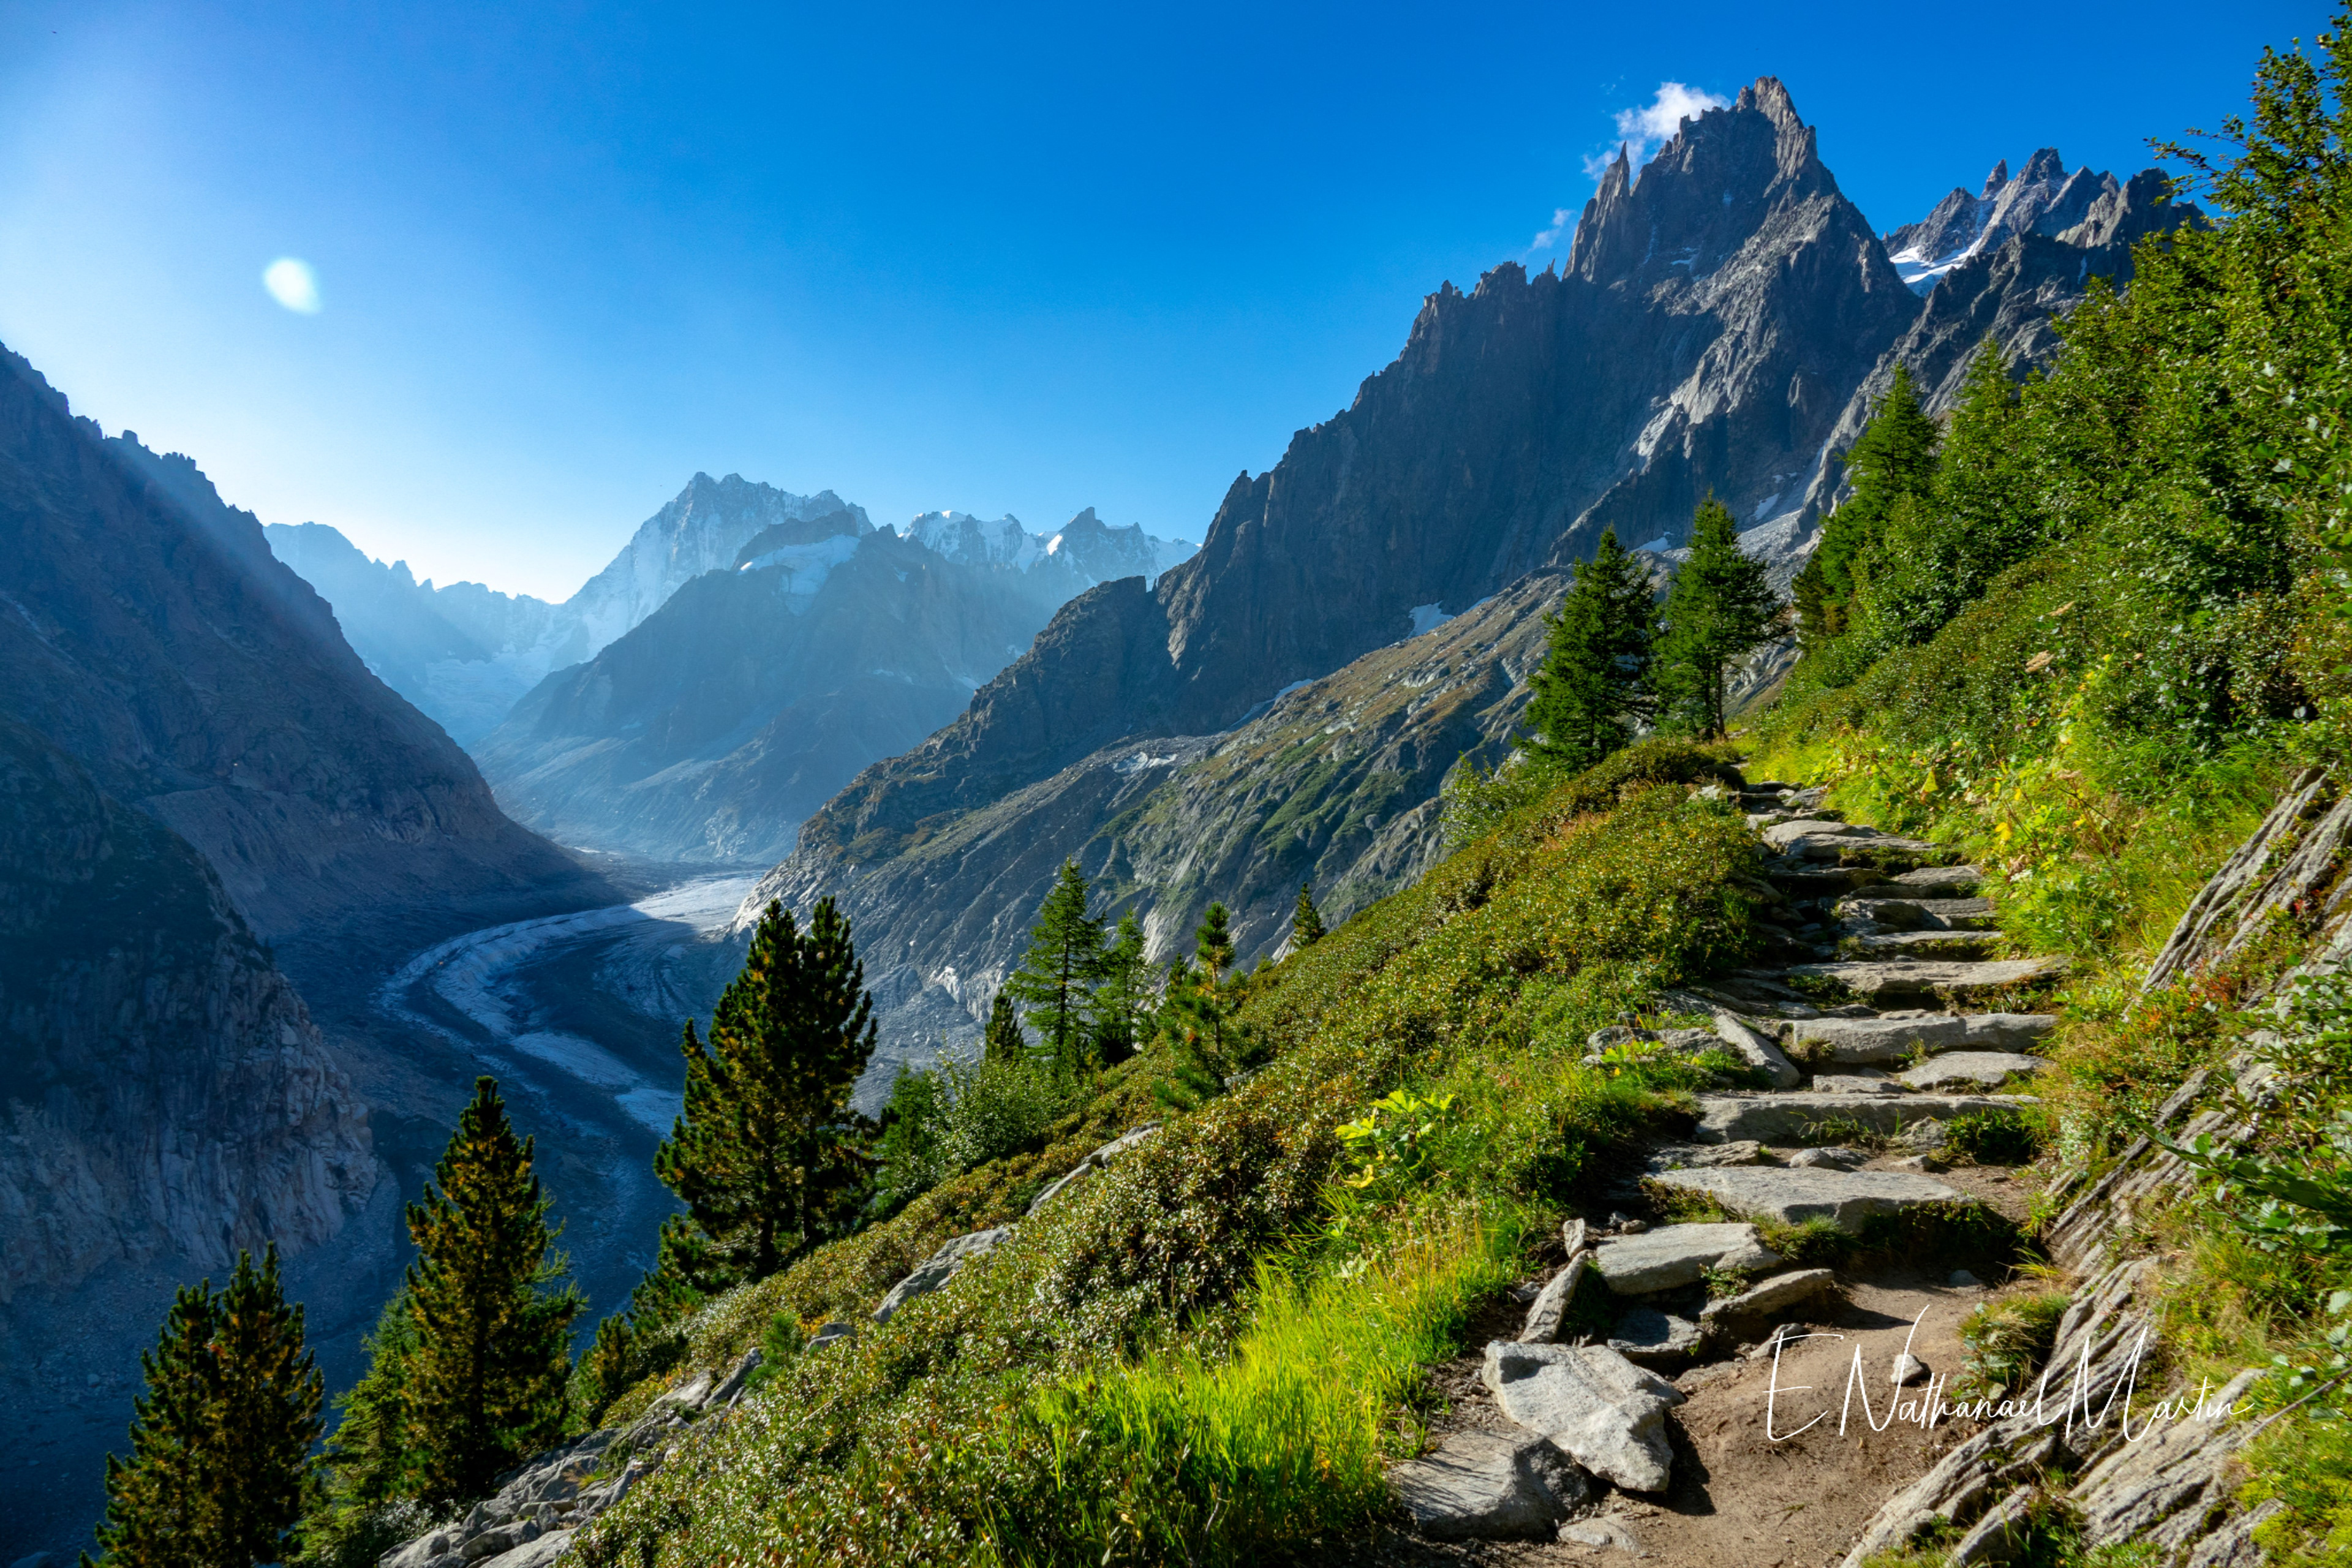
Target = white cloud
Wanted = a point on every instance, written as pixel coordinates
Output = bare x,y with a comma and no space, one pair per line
293,285
1560,218
1641,131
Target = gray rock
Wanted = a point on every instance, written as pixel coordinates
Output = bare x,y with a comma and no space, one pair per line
1652,1338
829,1332
1940,881
1939,945
535,1554
1854,1041
1598,1532
732,1385
1609,1415
1963,1280
1675,1254
1753,1046
1683,1156
1925,1164
1093,1163
1777,1294
1893,982
1845,1198
1490,1486
1860,1082
1552,1304
1784,835
1834,1159
1787,1119
1984,1069
939,1268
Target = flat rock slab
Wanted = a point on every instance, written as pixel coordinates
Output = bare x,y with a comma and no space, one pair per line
1787,1119
1609,1415
1955,944
1651,1337
1782,835
1845,1198
1882,982
1490,1486
1858,1041
1863,1082
1676,1255
941,1267
1778,1294
1884,906
1985,1069
1754,1047
534,1553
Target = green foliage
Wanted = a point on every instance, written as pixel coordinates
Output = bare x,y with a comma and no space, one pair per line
1992,1138
2007,1341
1305,921
1212,941
1893,461
2304,1464
945,1121
485,1379
370,1462
1003,1041
1056,977
1123,1002
220,1466
768,1156
1387,1144
1592,686
1719,610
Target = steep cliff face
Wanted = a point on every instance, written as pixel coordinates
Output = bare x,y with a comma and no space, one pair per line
153,636
1333,785
714,727
163,1090
1712,320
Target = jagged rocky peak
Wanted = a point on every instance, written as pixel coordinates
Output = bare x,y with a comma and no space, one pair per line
2044,199
1087,547
1699,200
961,537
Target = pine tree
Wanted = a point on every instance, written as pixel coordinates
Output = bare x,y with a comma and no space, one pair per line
1894,457
1123,997
1305,921
1058,975
220,1467
1719,610
1212,941
1004,1042
487,1376
1592,686
768,1155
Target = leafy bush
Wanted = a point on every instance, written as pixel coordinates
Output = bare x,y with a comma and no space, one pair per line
1992,1138
2007,1341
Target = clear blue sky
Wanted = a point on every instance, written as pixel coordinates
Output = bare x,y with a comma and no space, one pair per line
992,259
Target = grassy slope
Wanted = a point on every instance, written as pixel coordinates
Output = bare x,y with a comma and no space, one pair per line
1209,1349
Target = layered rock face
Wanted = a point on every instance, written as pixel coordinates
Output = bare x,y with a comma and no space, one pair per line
162,1090
1708,330
155,638
465,654
1335,785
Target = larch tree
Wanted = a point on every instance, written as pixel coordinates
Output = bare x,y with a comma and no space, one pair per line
1306,920
1004,1043
487,1376
1058,975
220,1469
768,1155
1720,609
1593,687
1122,1003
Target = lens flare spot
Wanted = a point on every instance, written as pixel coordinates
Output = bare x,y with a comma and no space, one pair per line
292,284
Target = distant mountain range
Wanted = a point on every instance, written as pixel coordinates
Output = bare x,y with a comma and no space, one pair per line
1723,325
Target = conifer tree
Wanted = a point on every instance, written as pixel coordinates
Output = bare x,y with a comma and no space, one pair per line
1719,610
1306,920
487,1376
1004,1042
220,1467
1894,457
1212,941
1058,975
1592,686
768,1155
1123,998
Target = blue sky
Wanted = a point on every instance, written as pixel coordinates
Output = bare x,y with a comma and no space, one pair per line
999,259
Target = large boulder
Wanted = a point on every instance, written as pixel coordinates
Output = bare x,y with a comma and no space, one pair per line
1609,1415
1778,1294
1677,1255
1845,1198
1490,1486
1752,1046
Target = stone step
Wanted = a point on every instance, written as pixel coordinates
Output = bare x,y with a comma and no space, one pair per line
1782,1196
1787,1118
1490,1486
1677,1255
1608,1414
1917,914
1850,1042
1973,1070
1896,983
1966,945
1927,882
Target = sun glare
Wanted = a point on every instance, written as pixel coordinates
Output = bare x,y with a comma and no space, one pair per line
292,284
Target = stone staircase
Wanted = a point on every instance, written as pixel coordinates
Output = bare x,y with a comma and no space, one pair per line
1883,1007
